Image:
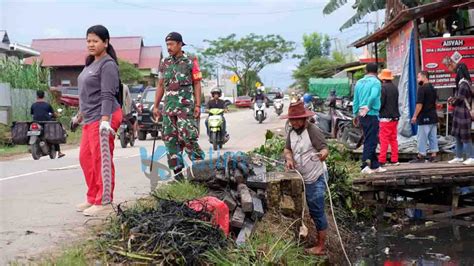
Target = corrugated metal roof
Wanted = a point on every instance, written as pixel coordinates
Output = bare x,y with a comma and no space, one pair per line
73,51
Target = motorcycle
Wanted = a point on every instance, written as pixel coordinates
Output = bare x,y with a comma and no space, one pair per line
215,123
260,112
42,145
126,132
278,105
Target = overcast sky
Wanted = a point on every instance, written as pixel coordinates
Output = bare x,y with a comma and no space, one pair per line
195,20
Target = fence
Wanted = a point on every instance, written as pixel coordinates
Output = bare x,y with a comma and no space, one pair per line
15,103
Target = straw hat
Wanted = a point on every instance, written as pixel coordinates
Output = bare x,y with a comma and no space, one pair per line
386,74
297,110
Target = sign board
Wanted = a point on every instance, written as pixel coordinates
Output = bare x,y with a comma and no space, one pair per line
436,50
397,47
234,79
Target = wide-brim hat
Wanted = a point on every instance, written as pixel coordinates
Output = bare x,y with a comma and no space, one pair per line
297,110
386,74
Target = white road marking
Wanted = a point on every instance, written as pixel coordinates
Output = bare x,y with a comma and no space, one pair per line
22,175
69,167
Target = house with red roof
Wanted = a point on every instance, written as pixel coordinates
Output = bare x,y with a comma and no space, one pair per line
66,57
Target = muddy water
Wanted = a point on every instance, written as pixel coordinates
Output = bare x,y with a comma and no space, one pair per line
420,244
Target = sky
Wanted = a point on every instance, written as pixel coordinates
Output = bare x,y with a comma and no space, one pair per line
197,21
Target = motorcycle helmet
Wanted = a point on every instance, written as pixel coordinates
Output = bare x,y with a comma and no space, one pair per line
216,90
307,98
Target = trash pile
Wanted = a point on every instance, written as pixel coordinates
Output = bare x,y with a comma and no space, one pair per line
240,191
248,190
164,233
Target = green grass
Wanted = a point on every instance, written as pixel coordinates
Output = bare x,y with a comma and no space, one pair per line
7,151
263,249
180,191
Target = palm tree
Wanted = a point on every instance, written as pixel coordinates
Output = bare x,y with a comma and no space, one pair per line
364,7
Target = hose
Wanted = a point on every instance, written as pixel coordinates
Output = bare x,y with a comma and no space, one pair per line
326,177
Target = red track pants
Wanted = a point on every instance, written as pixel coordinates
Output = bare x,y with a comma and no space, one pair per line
100,181
388,136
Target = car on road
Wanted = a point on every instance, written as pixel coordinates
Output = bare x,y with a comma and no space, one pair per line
146,119
69,96
243,101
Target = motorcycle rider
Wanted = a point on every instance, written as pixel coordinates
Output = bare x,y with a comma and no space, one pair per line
308,101
259,96
216,103
130,109
43,111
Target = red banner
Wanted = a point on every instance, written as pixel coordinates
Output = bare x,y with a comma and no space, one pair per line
436,50
397,48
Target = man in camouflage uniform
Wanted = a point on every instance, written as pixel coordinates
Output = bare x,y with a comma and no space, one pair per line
180,84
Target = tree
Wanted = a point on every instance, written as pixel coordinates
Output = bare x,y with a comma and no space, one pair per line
248,54
207,66
128,72
364,7
315,45
318,67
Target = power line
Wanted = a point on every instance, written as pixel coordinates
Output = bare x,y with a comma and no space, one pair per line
220,13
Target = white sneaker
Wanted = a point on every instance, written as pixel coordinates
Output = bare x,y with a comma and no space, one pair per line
456,160
83,206
98,210
469,161
367,171
380,170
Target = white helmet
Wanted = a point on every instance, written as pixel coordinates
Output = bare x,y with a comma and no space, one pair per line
216,90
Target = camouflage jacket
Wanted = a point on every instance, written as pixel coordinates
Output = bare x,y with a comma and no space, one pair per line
178,75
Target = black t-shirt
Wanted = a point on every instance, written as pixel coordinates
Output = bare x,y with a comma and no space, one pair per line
426,95
42,111
219,104
259,97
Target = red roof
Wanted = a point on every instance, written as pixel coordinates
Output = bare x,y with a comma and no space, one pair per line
73,51
150,57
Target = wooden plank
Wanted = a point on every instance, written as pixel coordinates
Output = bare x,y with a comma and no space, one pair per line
452,213
434,207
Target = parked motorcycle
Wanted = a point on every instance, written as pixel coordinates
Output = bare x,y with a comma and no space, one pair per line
126,132
43,138
259,111
278,105
215,128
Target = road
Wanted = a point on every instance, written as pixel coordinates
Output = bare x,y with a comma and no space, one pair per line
38,198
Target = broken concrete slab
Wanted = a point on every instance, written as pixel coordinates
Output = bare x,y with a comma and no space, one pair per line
238,218
245,232
230,202
258,211
287,205
245,198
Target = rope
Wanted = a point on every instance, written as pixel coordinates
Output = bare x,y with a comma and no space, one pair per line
326,176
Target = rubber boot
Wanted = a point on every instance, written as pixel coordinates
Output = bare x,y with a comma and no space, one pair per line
179,177
320,248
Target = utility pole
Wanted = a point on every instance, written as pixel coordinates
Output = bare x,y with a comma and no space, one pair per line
367,23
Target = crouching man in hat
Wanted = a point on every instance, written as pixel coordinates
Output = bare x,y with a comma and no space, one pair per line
305,151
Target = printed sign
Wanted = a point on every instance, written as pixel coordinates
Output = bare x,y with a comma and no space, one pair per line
435,52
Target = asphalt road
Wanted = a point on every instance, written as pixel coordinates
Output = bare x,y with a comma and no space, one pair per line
38,197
